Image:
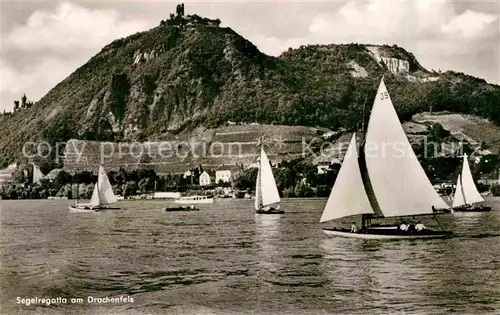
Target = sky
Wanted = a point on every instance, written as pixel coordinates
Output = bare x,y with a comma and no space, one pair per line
43,42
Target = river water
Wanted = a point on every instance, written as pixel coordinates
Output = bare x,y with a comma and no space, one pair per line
225,259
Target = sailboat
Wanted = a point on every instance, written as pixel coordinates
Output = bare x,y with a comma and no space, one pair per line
267,198
466,193
37,174
102,196
383,179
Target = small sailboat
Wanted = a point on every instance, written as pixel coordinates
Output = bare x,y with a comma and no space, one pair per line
102,196
466,193
383,179
37,174
267,198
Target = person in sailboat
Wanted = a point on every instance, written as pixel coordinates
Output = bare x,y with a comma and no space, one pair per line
354,229
419,226
403,227
411,227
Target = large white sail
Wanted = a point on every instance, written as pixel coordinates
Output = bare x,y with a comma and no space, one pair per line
470,194
103,191
458,197
106,193
348,196
268,189
398,180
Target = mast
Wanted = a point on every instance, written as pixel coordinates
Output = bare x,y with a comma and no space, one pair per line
462,184
364,173
77,186
258,184
98,175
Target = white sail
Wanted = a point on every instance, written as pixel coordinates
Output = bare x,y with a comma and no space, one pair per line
268,190
470,193
258,192
106,193
348,196
37,174
103,191
458,197
399,182
95,200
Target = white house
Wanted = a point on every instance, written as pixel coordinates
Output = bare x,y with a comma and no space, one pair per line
222,175
323,168
7,175
205,179
225,173
187,174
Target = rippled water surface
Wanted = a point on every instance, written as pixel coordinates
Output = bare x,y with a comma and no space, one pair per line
225,259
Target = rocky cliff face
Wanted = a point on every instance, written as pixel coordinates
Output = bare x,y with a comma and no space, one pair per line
188,72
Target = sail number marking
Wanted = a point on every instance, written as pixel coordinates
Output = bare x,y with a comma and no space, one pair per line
384,96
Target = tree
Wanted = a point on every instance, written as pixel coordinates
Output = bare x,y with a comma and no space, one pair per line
303,190
62,179
130,188
246,179
143,185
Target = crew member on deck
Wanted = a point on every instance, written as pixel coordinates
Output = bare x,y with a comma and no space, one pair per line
419,227
354,229
403,227
411,227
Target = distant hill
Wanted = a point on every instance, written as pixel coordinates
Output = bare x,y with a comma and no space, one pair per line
189,73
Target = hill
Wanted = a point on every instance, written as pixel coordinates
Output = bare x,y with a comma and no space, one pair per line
190,74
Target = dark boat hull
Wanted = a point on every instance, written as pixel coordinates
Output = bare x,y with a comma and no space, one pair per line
387,233
472,209
180,209
270,211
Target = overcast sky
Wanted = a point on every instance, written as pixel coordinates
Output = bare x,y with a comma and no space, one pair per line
44,42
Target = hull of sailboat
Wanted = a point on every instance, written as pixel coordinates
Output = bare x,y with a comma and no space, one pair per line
271,211
472,209
88,209
387,234
441,211
178,209
73,209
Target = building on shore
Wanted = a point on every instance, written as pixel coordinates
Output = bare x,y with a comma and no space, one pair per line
207,178
226,173
7,174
